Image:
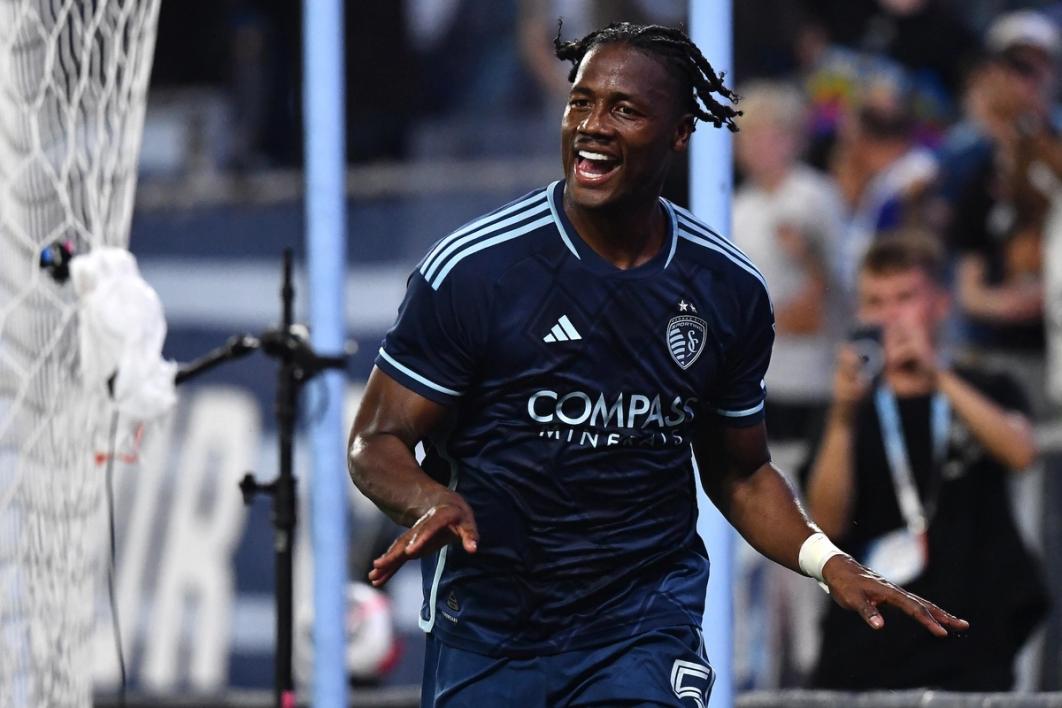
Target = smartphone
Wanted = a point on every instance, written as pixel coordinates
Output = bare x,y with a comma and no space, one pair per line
866,340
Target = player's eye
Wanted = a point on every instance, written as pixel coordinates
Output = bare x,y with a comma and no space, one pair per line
625,110
578,103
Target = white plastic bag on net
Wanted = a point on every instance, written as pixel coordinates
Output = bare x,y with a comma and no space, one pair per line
121,332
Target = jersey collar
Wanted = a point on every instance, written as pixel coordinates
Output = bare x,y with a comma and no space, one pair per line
588,257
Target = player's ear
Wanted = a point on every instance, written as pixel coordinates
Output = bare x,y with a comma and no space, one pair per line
683,131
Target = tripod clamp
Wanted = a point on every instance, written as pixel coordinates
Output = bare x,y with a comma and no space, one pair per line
292,347
250,487
301,363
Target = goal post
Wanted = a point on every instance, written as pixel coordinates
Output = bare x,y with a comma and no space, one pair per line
711,27
324,129
73,83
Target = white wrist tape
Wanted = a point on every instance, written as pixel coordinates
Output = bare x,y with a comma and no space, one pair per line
815,551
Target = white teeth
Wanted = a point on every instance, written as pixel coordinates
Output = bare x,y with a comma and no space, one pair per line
586,154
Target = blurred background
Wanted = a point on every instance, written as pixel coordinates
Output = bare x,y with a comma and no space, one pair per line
906,113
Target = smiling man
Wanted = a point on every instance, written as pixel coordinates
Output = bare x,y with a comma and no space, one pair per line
558,358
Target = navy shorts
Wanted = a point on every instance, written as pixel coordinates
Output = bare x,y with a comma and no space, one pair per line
664,667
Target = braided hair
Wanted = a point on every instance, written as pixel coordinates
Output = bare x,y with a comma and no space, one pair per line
677,50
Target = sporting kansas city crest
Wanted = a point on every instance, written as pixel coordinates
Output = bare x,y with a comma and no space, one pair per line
686,336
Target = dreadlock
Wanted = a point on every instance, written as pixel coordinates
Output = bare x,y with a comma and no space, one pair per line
673,46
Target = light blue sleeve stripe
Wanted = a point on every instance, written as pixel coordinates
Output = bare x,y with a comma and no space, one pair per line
417,377
490,228
486,221
693,225
707,233
740,264
740,414
487,243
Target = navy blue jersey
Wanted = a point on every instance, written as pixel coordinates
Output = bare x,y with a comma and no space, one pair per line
573,388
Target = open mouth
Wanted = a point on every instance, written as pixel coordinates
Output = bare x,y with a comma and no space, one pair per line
594,167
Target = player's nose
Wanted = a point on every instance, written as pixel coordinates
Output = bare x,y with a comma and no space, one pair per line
596,123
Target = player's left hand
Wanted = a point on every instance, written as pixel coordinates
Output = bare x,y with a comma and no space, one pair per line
857,588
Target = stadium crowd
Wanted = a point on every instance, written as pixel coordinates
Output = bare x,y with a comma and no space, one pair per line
898,122
901,120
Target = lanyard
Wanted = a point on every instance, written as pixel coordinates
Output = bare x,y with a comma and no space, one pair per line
903,481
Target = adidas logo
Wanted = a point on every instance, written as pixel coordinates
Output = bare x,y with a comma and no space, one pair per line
563,331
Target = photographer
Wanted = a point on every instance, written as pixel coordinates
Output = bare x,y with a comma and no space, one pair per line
910,478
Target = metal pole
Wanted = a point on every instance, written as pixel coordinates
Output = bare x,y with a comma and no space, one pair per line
325,150
284,502
711,183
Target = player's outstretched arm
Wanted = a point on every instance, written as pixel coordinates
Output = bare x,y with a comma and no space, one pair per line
390,421
738,476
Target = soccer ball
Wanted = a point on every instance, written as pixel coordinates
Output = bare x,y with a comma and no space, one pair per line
371,647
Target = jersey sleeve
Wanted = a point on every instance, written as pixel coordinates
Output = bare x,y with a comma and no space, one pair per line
739,397
432,347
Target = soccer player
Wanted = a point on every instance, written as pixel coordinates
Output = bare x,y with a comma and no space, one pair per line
558,357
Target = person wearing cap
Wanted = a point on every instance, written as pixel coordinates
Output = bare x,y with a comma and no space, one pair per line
994,211
1025,32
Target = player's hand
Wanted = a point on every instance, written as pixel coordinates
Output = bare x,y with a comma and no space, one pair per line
856,588
448,521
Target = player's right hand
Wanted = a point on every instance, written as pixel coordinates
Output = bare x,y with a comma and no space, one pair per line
443,523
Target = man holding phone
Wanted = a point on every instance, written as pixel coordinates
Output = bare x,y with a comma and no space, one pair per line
910,478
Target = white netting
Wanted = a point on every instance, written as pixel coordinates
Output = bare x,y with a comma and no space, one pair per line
73,81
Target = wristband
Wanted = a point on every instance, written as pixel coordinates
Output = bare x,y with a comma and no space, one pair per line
814,552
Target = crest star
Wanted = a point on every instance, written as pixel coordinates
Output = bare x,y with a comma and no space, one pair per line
683,306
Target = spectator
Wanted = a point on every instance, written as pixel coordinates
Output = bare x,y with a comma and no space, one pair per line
919,46
883,176
787,218
474,85
929,39
996,213
910,477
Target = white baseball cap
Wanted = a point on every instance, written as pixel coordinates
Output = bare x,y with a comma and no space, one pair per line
1023,28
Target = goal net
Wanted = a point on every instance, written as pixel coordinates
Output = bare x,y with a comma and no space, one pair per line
73,81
